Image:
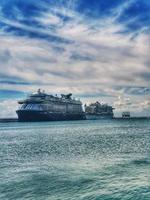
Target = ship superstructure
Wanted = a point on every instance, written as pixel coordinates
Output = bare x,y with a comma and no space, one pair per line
99,111
43,107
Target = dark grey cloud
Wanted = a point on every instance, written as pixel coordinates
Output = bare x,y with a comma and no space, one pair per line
81,57
131,90
145,76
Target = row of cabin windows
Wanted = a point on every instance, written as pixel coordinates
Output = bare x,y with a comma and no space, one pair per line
52,107
64,108
93,109
74,108
31,107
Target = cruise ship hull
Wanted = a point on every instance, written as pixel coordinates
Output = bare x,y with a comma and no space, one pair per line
98,116
35,116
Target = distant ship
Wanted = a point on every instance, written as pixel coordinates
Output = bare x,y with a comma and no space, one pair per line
43,107
126,114
99,111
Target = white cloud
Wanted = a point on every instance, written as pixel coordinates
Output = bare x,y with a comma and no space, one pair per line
7,108
116,59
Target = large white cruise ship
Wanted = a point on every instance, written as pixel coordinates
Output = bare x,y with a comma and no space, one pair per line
99,111
43,107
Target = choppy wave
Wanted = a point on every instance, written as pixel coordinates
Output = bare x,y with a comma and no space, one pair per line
75,160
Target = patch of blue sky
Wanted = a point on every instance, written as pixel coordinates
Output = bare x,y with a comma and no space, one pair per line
36,34
24,12
97,9
64,17
136,16
26,8
11,94
9,82
30,8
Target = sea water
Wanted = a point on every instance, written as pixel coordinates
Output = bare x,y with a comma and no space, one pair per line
75,160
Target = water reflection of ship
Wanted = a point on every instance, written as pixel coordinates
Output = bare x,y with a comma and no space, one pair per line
43,107
99,111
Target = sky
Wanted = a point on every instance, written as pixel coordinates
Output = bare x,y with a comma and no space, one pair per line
99,50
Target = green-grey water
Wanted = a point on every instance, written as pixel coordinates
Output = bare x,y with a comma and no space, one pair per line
77,160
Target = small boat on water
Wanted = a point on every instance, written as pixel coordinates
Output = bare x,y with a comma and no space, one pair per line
126,115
